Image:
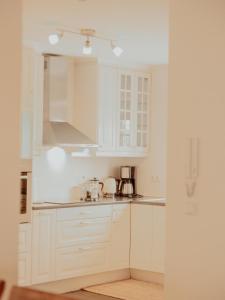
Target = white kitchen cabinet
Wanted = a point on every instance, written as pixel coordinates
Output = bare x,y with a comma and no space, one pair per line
82,240
81,260
126,111
120,239
43,246
148,237
71,232
116,105
24,255
27,84
133,113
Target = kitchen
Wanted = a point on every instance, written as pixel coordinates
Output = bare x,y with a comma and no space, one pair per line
195,153
118,107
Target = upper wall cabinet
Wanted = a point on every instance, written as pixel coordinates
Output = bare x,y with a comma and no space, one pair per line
108,104
116,104
27,102
133,113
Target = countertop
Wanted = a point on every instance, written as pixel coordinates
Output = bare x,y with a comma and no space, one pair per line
101,201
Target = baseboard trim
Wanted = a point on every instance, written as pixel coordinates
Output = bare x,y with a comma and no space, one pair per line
74,284
147,276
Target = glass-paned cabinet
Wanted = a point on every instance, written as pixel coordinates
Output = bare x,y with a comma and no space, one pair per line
125,110
142,109
134,97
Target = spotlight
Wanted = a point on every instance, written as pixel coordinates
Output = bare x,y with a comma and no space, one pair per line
116,50
87,49
54,38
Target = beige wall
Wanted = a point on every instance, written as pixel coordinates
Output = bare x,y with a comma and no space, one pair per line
196,242
152,170
9,133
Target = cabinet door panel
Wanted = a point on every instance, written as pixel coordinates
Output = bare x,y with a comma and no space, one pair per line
82,260
148,237
107,108
125,111
89,230
158,247
141,236
24,237
43,250
120,241
142,103
24,269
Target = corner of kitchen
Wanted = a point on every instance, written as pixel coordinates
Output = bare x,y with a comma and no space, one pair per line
93,174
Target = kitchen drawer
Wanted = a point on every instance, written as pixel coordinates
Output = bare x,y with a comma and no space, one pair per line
24,237
84,212
72,232
24,269
82,260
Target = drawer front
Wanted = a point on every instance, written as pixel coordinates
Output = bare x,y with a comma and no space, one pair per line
72,232
24,238
82,260
24,269
71,213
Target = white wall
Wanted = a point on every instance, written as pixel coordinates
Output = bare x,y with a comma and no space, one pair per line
55,185
196,242
10,30
152,171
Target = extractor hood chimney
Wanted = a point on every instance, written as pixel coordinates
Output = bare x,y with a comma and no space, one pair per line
57,106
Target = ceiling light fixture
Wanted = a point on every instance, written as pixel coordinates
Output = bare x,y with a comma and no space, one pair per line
87,49
54,38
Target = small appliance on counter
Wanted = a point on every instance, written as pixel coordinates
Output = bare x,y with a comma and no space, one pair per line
92,189
126,184
109,187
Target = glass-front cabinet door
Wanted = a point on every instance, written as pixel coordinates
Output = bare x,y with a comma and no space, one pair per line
125,110
142,96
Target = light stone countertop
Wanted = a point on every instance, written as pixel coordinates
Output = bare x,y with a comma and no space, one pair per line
101,201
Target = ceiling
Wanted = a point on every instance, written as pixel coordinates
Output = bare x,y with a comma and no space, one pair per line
140,27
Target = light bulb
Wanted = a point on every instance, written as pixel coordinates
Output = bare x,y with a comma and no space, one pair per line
117,50
87,49
54,38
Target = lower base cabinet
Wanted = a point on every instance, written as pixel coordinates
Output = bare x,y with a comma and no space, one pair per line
81,260
120,238
70,242
43,246
148,237
24,255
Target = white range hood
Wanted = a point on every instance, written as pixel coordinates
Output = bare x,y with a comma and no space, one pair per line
58,105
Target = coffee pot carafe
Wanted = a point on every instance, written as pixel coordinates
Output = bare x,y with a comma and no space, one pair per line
92,189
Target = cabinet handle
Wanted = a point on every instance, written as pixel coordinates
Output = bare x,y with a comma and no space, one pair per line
85,212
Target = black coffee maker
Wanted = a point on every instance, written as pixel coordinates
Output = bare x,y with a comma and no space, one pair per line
126,183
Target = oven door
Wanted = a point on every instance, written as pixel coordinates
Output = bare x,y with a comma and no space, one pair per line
25,197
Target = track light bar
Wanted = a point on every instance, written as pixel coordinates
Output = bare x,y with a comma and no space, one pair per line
54,39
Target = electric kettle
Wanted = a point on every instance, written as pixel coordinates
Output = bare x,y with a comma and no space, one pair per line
109,187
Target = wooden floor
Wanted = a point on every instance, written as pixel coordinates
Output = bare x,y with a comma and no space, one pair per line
125,289
130,290
84,295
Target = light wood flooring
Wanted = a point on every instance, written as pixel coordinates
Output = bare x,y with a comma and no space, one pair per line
125,289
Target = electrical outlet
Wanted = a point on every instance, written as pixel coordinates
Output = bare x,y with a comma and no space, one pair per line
190,208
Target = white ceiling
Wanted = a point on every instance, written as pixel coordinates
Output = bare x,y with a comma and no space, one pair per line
139,26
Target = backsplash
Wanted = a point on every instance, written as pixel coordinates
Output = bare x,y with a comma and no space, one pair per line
54,184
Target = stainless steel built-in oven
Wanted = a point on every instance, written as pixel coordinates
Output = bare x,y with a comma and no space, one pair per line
25,192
